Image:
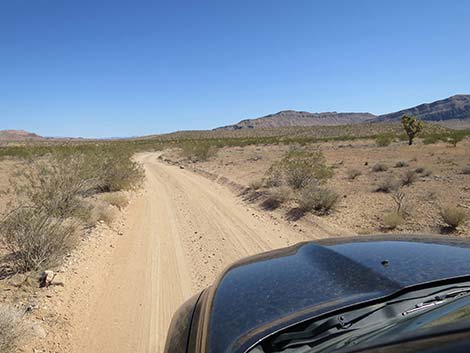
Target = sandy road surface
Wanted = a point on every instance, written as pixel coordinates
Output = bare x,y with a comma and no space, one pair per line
180,234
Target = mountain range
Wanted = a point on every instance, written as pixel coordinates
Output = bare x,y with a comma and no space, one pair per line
454,110
19,135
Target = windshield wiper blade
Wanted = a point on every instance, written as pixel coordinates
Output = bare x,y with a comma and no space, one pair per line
437,300
313,330
363,320
319,330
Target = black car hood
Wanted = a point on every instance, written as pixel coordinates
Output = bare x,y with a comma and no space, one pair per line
265,293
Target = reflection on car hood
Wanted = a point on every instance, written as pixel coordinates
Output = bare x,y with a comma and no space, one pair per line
261,294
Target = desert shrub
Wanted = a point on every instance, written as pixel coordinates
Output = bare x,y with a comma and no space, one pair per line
117,199
466,170
353,173
274,177
49,208
36,238
401,164
387,185
276,197
379,167
111,170
101,211
455,137
120,174
408,177
319,199
453,216
13,330
431,139
198,150
423,171
383,140
53,185
299,168
59,181
392,220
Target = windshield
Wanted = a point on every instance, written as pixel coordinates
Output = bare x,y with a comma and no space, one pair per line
414,314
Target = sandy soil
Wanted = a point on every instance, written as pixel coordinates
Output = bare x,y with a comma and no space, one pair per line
176,237
124,282
446,186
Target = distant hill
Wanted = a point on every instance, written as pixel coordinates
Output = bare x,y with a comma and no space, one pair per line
451,110
287,118
19,135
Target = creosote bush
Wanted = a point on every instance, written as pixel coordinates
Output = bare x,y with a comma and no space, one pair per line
112,170
198,150
387,185
431,139
455,137
38,239
384,140
299,168
409,177
50,207
392,220
379,167
319,199
276,197
453,216
13,330
274,177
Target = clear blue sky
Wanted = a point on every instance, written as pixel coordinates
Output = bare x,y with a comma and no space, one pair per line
97,68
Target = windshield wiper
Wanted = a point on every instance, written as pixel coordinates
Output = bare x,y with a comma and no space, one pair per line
320,330
437,300
364,320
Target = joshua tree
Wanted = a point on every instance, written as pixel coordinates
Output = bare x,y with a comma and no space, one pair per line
412,126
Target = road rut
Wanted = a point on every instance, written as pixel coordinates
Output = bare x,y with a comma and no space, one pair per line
180,234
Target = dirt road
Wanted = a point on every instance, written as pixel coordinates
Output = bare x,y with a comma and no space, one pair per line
180,233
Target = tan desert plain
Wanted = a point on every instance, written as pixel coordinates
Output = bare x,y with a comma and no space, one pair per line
97,260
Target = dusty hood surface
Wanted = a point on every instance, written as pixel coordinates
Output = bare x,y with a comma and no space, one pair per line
259,295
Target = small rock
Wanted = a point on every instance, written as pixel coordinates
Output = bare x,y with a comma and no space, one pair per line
46,278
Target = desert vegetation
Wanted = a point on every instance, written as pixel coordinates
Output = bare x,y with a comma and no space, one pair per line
51,202
379,167
453,216
14,330
53,198
297,178
367,177
413,126
338,176
384,140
